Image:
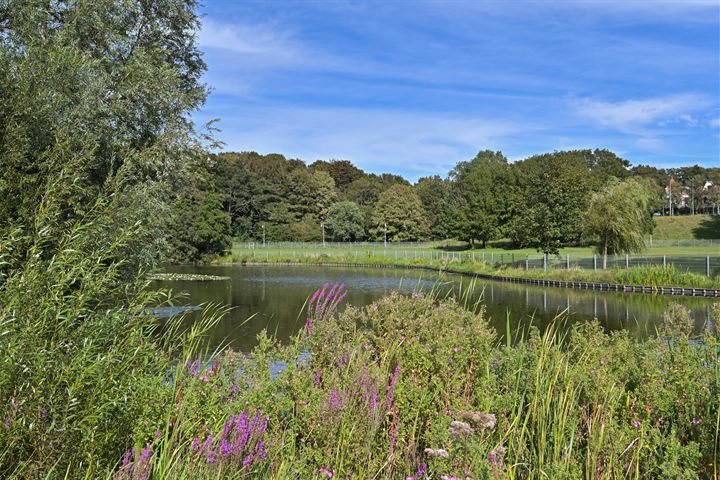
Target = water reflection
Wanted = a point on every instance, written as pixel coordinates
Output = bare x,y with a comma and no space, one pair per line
271,297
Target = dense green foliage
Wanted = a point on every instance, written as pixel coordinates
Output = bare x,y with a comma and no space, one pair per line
618,218
399,215
345,222
95,103
409,387
538,202
480,197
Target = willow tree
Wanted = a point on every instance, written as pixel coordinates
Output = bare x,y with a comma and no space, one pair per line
96,103
618,218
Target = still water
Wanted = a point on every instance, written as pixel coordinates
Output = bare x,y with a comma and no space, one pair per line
271,297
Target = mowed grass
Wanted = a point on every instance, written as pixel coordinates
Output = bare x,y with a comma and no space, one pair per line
667,230
435,247
687,227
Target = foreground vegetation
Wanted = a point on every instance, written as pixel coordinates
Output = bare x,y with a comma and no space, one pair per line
408,387
656,276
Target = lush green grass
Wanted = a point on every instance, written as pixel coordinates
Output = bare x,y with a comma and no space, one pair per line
669,276
687,227
241,249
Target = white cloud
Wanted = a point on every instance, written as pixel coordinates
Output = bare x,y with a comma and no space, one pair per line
715,122
256,39
630,115
417,143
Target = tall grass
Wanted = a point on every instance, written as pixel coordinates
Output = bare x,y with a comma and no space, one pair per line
421,387
83,366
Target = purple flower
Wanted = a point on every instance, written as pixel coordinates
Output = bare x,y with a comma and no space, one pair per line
326,471
636,425
390,397
134,467
696,421
193,367
240,443
43,412
456,349
324,303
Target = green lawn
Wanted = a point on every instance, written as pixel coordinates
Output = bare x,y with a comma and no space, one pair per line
334,249
687,227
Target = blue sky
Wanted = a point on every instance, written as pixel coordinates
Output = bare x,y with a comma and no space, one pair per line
412,87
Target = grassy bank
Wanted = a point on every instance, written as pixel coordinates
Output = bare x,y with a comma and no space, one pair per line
686,227
668,276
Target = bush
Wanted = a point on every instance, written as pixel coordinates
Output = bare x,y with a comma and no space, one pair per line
412,387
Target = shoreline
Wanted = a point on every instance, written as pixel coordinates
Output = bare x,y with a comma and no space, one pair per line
573,284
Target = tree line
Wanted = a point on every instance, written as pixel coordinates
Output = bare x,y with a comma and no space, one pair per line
541,202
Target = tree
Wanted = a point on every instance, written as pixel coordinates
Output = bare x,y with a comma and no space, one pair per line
400,208
345,222
552,193
618,218
480,194
343,172
434,193
96,99
201,228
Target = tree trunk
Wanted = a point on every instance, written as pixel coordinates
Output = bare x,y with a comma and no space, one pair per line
605,250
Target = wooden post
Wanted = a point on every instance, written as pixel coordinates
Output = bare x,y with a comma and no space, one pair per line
527,263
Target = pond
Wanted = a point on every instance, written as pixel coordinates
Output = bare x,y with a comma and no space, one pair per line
271,297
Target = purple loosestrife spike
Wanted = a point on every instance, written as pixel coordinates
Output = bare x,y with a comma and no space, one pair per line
389,398
330,294
334,400
313,298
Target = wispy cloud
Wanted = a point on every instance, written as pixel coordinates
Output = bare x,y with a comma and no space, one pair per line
247,39
629,115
